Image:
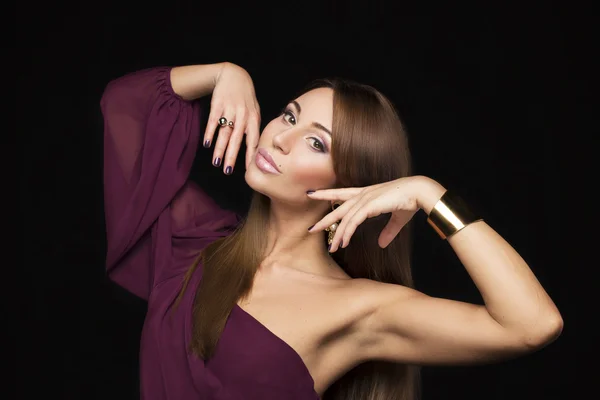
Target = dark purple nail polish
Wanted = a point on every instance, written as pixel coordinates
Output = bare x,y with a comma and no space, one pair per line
228,170
310,192
217,162
207,144
310,228
329,247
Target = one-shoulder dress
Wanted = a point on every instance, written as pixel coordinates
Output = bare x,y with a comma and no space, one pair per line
157,221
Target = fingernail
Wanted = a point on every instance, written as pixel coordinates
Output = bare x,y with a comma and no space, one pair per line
341,244
217,162
228,170
310,228
207,143
310,192
329,247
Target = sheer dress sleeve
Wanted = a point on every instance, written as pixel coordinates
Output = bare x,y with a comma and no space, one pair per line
150,140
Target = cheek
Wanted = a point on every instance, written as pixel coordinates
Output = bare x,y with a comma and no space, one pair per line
312,172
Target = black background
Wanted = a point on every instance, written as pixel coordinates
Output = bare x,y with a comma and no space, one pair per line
491,98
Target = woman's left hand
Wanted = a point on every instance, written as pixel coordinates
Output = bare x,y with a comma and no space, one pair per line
397,197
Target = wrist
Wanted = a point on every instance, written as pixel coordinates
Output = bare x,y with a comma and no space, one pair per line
427,192
194,81
218,69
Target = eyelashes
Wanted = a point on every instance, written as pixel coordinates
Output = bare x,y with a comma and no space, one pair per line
288,117
321,145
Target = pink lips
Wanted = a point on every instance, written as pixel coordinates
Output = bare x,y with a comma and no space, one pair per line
262,156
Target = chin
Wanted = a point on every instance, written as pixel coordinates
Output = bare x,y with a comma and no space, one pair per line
267,185
259,181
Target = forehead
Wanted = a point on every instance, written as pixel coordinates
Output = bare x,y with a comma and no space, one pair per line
317,105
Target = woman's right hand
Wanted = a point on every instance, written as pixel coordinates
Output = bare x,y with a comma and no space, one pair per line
233,98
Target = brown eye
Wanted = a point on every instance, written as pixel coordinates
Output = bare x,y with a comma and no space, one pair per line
289,117
317,144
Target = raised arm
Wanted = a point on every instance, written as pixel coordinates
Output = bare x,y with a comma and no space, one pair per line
154,95
518,316
151,133
400,324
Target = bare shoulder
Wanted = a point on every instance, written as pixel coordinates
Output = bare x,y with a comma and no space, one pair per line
356,301
371,287
369,295
363,301
351,311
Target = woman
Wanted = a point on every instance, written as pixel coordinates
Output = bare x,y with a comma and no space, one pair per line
270,307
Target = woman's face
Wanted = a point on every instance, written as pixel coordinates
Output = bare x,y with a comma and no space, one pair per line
299,143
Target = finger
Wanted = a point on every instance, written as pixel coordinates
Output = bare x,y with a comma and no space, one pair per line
252,137
222,139
392,228
369,210
235,141
350,211
335,194
332,217
366,208
216,112
340,233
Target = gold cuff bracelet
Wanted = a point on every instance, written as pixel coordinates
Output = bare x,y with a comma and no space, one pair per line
449,215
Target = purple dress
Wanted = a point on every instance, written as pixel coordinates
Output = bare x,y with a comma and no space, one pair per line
157,222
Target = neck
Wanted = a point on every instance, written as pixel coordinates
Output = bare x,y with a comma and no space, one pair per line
289,242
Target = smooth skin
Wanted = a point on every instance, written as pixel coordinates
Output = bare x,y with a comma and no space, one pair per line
305,299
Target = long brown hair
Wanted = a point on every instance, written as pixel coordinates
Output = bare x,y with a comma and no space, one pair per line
369,146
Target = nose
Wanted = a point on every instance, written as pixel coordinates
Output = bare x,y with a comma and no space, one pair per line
284,139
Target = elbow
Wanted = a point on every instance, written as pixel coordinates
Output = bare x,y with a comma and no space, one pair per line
117,90
545,333
109,93
106,97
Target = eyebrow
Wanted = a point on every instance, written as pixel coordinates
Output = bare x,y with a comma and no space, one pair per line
314,124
